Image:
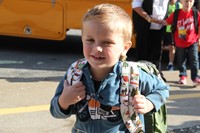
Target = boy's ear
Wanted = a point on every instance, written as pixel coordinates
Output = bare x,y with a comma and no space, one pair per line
127,46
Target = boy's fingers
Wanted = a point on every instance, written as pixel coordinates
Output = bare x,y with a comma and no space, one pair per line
78,84
137,98
141,111
78,87
82,96
65,84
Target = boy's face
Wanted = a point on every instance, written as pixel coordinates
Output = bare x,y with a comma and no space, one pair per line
101,46
187,4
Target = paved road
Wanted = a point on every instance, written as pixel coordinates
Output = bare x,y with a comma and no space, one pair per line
29,74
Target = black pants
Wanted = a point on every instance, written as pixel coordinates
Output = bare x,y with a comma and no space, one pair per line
148,45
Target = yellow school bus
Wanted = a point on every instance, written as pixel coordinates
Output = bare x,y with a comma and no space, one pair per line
47,19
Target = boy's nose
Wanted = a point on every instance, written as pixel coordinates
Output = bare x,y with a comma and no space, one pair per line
99,49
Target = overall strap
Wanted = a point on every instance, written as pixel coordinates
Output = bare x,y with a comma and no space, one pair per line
195,15
129,88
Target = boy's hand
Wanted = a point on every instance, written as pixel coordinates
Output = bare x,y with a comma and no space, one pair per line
141,104
154,20
71,94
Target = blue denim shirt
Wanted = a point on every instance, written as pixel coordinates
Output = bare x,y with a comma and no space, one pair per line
108,96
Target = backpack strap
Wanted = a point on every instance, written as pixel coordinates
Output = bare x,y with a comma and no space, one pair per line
175,18
195,14
129,88
75,72
177,6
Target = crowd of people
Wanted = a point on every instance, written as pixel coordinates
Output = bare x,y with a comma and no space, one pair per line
151,34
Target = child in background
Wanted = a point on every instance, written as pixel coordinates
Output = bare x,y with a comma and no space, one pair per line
168,37
106,38
186,40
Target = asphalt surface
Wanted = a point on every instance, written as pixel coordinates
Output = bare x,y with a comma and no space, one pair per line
183,106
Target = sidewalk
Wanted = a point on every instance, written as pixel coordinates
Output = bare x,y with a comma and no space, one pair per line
183,106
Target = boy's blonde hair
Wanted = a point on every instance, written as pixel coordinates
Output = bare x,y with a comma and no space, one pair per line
112,16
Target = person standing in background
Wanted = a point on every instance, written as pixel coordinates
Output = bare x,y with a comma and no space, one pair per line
168,37
187,38
149,35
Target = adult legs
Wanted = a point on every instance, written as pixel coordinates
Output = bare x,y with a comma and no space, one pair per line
169,41
171,54
141,27
142,46
154,48
155,39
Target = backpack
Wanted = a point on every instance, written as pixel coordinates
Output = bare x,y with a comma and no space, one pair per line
195,15
154,122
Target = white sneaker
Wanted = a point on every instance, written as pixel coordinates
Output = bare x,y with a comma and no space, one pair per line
183,80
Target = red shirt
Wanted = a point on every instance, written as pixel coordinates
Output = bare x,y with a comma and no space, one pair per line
185,34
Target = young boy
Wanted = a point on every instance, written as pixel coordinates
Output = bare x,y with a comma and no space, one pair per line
168,37
95,99
186,40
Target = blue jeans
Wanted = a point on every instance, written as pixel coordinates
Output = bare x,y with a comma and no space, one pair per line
192,54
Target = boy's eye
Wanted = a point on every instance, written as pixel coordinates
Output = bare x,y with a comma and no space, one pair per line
106,42
89,40
188,1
